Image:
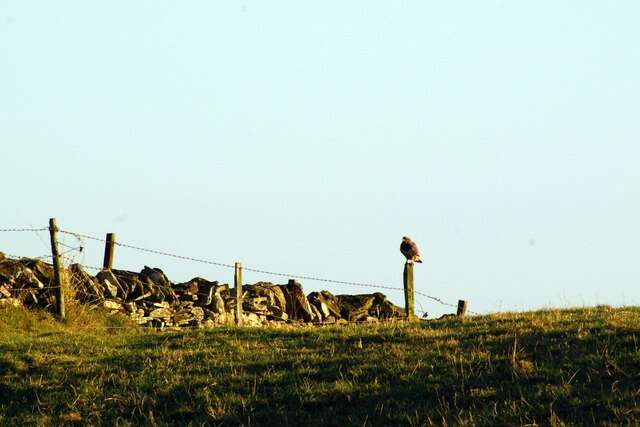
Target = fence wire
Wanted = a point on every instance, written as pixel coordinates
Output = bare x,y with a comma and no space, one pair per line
267,272
244,268
7,230
151,251
80,248
68,260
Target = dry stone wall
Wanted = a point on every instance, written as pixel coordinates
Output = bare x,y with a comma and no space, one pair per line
151,299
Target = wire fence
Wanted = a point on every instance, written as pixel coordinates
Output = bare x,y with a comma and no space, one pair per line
80,248
9,230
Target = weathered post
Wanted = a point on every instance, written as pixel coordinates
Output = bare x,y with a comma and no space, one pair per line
291,287
237,281
109,246
57,281
462,308
408,290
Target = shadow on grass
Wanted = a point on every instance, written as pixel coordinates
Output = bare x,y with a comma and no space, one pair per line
466,372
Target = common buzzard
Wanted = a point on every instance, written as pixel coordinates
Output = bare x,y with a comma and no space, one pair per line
410,250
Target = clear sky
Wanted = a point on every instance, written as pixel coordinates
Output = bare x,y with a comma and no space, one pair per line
302,137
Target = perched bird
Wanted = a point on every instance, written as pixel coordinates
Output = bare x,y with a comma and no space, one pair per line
410,250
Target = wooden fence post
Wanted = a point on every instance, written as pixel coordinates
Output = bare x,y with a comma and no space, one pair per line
462,308
237,281
109,246
291,287
408,290
57,281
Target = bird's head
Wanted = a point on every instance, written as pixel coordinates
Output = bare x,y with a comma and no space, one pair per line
405,238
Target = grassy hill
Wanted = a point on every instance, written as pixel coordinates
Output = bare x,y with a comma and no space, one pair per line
573,367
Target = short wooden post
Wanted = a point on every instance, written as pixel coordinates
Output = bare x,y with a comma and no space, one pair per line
237,281
57,281
109,245
462,308
408,290
291,287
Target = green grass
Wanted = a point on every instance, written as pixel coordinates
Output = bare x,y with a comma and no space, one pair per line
557,367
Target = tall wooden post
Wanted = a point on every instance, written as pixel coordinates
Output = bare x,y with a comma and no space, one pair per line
408,290
109,246
462,308
237,281
57,282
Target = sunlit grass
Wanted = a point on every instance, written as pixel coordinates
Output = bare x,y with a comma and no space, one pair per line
579,367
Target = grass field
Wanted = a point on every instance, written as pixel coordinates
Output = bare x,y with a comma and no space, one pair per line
569,367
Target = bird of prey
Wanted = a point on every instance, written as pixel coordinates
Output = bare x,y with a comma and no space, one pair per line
410,250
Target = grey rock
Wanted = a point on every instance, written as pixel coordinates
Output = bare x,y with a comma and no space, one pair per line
111,283
326,302
29,279
276,313
112,305
150,299
112,290
297,304
355,307
4,292
160,313
197,313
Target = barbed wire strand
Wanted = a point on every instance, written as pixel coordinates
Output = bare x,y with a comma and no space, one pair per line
18,257
438,300
176,327
254,270
79,236
7,230
39,236
80,248
63,255
152,251
96,301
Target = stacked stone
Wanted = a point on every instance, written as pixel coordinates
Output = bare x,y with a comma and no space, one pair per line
26,282
151,299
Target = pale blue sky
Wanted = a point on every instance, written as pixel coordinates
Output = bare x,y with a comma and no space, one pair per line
309,138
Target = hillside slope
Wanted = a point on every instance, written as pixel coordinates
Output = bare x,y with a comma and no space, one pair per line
579,367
